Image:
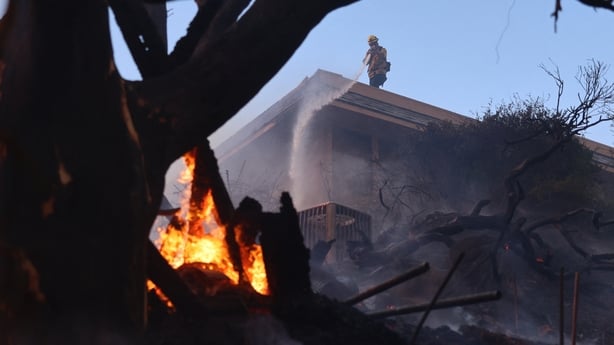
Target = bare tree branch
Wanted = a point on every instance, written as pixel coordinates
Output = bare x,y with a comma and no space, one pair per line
598,223
556,75
478,207
204,92
596,100
145,44
607,4
184,48
572,243
556,220
225,18
381,198
557,8
562,126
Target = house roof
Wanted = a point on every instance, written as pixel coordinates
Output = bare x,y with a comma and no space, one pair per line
360,98
368,101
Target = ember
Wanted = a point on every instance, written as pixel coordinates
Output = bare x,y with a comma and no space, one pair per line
195,236
163,298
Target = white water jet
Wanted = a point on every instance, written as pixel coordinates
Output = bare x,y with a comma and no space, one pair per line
315,97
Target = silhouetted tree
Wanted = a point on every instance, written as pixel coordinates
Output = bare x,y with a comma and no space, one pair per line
83,152
533,150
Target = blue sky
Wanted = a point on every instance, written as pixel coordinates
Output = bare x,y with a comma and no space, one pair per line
458,55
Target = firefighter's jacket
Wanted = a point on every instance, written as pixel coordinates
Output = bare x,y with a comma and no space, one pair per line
377,61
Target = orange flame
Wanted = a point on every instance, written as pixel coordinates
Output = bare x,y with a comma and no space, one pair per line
194,235
255,272
161,295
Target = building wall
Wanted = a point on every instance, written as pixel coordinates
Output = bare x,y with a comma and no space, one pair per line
354,152
259,167
342,158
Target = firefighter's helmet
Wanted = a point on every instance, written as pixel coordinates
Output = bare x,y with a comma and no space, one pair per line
372,38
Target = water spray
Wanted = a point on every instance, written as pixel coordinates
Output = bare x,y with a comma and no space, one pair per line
313,100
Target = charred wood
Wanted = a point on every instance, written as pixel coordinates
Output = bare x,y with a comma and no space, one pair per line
471,222
167,279
207,178
141,36
224,19
562,306
436,296
184,48
479,206
557,219
285,255
217,292
230,57
318,320
442,304
211,175
412,273
574,307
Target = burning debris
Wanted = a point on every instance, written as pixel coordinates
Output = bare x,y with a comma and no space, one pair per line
194,235
255,263
218,279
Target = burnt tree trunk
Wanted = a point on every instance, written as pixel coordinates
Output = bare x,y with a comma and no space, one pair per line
74,193
83,153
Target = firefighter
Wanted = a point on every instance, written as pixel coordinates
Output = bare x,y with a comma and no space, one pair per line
376,59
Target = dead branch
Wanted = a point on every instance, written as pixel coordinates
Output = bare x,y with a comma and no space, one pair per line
435,237
556,76
597,101
381,198
223,203
412,273
557,8
207,178
572,243
471,222
144,42
607,4
598,223
203,92
167,279
527,247
478,207
436,296
184,48
442,304
285,256
226,17
556,220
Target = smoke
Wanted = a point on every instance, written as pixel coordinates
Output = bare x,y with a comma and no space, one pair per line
73,329
266,330
315,97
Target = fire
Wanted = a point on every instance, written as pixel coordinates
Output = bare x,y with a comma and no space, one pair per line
179,247
194,235
161,295
253,262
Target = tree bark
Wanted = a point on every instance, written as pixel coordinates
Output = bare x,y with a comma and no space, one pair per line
75,196
80,182
225,72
